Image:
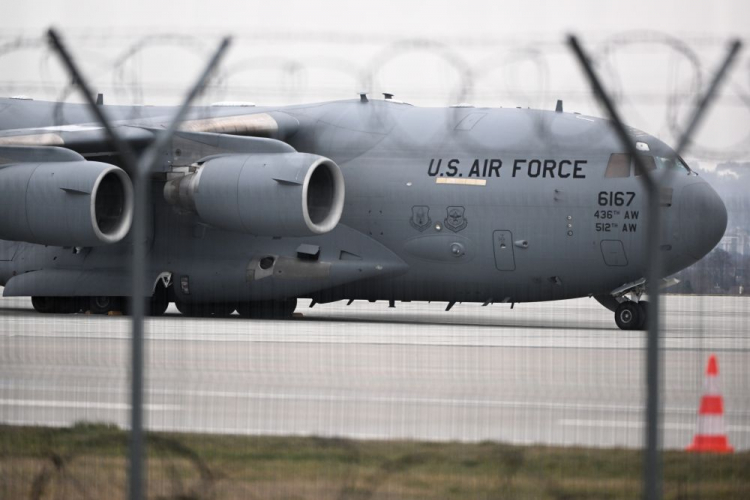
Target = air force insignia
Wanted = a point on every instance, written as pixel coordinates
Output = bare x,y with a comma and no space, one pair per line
455,221
420,217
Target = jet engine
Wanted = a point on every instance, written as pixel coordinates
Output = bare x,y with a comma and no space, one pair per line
279,194
74,203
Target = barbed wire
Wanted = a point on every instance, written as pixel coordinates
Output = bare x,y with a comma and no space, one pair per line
61,467
496,72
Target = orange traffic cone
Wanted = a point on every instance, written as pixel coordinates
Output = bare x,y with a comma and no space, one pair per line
711,436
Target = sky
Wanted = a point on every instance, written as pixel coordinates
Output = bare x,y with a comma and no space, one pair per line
654,55
403,17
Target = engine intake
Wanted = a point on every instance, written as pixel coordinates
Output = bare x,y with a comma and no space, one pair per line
77,203
280,194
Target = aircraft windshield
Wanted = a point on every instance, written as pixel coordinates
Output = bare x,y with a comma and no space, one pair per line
671,163
622,165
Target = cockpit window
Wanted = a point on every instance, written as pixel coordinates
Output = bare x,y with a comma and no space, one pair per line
671,163
648,163
618,166
621,165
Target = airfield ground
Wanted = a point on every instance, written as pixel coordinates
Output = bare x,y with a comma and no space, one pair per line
549,374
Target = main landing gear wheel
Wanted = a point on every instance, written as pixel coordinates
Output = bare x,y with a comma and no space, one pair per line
629,315
104,305
159,302
268,309
56,305
157,306
192,310
221,309
43,304
184,308
205,310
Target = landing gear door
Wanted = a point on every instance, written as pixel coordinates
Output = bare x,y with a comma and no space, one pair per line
502,242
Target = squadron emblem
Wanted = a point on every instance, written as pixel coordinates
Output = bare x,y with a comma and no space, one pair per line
455,221
420,217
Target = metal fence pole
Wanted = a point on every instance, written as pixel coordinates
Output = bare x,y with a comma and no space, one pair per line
139,169
652,474
139,268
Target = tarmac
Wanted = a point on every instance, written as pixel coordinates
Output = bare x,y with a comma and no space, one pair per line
556,373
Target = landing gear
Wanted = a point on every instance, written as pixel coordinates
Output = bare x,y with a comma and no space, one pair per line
268,309
56,305
159,302
43,304
155,306
223,309
631,315
628,315
184,308
104,305
264,309
643,306
205,310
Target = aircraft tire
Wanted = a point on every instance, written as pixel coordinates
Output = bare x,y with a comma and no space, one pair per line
189,310
159,302
183,307
44,305
205,309
222,309
56,305
67,305
628,315
103,304
157,306
245,309
643,306
268,309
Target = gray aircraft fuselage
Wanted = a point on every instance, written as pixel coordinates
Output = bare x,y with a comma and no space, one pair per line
458,204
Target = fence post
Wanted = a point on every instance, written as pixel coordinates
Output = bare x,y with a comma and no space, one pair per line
139,169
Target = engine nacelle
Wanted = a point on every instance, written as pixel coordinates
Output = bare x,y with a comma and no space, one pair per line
76,203
279,194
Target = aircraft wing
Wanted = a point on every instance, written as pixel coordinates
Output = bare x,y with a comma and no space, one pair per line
90,138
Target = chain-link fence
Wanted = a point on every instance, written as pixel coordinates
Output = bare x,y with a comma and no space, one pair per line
496,398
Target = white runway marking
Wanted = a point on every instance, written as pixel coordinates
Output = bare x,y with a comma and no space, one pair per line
89,405
634,424
432,401
555,373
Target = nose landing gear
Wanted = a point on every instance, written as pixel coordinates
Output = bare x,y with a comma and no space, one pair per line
631,315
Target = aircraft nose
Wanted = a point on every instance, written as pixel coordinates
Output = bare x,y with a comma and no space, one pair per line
703,219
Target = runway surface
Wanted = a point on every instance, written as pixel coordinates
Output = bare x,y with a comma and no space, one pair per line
551,373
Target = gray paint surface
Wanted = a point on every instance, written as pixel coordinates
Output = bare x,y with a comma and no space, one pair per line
441,204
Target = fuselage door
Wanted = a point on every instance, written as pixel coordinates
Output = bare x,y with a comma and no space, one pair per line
614,253
503,245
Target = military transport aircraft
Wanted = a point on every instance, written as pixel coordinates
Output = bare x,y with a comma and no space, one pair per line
362,199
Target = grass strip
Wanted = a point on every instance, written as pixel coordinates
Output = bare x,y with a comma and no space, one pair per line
89,461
